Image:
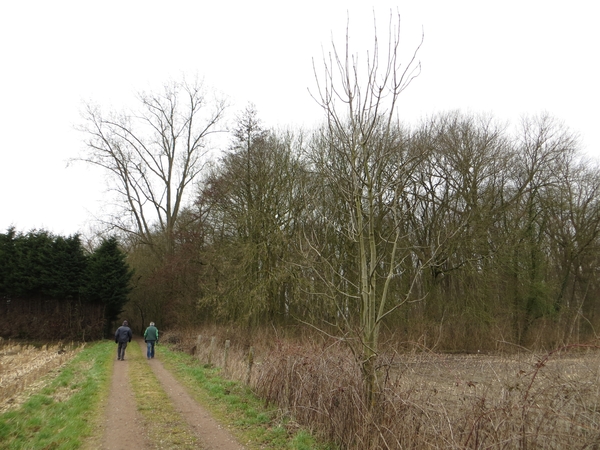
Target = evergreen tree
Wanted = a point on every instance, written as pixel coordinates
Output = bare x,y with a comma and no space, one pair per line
33,262
67,268
108,277
7,261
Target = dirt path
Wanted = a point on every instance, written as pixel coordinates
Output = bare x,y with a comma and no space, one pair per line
212,434
123,426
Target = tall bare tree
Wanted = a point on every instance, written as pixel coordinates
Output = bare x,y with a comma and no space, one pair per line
361,157
152,156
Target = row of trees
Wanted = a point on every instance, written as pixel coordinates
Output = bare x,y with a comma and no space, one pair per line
478,220
471,230
458,234
51,288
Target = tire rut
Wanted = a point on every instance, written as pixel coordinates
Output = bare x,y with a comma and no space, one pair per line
123,424
212,434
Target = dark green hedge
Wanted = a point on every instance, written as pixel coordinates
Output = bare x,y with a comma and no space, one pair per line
51,288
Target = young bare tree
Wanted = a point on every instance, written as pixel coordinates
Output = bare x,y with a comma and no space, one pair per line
364,168
152,156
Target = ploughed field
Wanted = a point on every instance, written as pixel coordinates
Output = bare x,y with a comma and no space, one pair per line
548,400
457,376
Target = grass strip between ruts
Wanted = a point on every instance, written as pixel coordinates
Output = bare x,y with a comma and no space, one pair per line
65,412
166,428
233,404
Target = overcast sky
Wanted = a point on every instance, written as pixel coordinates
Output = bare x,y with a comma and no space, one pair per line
507,58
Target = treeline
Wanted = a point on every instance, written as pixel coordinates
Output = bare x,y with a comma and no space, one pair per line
51,288
494,233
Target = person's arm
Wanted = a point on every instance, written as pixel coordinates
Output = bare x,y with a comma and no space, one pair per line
145,333
117,336
130,334
157,335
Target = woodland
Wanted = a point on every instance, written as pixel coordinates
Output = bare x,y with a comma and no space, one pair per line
479,236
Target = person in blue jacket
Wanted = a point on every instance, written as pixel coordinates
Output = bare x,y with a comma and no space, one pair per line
123,335
151,338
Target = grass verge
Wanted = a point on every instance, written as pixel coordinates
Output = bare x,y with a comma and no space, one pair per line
64,412
166,427
233,404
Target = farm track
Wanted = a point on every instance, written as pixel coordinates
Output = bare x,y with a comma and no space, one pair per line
125,428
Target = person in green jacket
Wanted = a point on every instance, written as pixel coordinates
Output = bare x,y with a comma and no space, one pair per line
151,338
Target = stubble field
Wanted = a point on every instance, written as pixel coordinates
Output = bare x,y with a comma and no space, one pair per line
23,365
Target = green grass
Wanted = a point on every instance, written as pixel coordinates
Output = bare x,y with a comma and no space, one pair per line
233,404
64,413
164,424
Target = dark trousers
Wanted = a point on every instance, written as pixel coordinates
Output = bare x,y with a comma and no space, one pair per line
121,350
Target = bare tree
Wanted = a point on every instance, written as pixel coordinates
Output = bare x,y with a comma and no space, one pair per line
546,151
152,155
362,159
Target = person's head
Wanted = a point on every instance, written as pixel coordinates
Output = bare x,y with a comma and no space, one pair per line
151,324
125,323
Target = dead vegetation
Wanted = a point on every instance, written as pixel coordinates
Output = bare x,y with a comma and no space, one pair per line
424,400
23,364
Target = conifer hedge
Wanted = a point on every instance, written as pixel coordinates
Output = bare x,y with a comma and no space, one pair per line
52,288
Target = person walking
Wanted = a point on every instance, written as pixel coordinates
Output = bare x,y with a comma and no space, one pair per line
151,338
123,335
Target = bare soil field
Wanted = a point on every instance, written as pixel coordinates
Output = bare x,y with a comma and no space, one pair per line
454,375
485,401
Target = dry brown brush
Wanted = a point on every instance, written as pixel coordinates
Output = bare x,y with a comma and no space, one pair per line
424,400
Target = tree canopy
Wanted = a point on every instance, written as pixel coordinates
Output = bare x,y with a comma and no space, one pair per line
50,286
